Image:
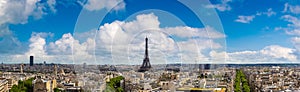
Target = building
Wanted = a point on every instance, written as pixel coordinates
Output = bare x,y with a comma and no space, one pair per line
201,90
11,82
74,89
41,85
31,60
3,85
44,85
207,66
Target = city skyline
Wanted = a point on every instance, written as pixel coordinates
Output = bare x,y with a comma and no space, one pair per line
246,31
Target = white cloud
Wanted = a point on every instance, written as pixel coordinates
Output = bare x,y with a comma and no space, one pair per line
279,52
37,45
64,50
248,19
195,51
294,26
269,13
295,9
286,6
245,19
115,38
51,5
120,40
18,11
94,5
219,56
244,57
191,52
294,20
123,42
184,31
62,46
296,42
4,30
70,47
269,54
222,6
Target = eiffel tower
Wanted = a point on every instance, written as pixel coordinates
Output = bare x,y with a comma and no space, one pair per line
146,62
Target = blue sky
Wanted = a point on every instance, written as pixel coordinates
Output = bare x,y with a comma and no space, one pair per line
267,31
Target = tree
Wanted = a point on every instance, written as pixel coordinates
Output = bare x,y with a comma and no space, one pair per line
246,88
241,78
57,90
23,86
15,88
115,84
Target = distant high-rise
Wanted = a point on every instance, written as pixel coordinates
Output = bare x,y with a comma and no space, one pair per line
207,66
146,62
31,60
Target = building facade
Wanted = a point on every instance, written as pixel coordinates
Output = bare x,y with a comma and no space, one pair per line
3,85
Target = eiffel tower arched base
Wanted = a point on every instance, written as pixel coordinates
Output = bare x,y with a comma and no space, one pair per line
143,69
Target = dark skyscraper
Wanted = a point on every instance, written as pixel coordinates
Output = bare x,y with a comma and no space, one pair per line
31,60
146,62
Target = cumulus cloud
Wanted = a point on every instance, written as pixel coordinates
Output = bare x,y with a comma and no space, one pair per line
269,54
195,51
219,56
67,45
222,6
279,52
64,50
94,5
112,39
241,57
37,45
18,11
62,45
245,19
124,41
